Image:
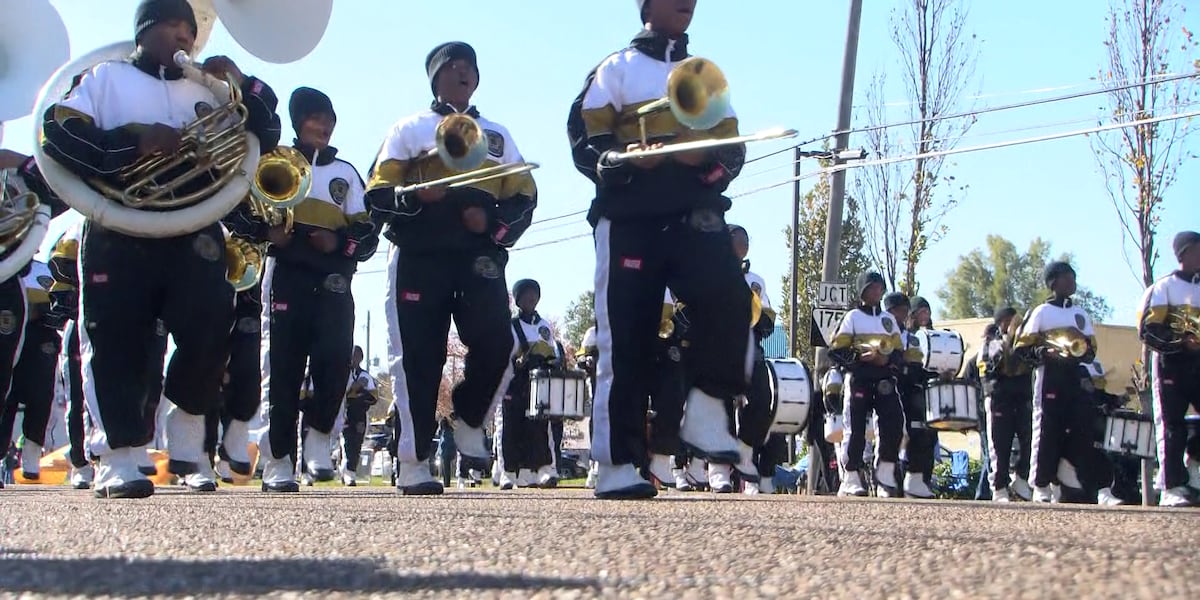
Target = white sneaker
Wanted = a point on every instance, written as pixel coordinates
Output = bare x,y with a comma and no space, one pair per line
508,480
745,466
145,461
235,443
705,429
593,473
203,480
622,482
719,478
185,441
697,473
766,485
751,488
1105,497
1001,495
81,477
1056,493
1043,494
915,486
662,469
414,479
681,481
526,478
117,476
31,458
1067,474
224,473
885,474
317,459
852,485
1020,488
1193,469
349,477
1176,497
470,442
547,477
279,475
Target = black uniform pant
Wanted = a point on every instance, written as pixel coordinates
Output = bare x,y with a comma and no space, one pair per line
75,405
243,389
1009,412
426,291
1063,423
921,439
126,285
771,454
667,397
635,262
1176,386
33,381
354,430
12,333
308,318
867,395
755,417
524,442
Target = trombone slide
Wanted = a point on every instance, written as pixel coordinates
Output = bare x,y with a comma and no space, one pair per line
762,136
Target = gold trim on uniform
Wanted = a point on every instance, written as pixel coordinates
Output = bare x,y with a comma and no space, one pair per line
389,173
1156,314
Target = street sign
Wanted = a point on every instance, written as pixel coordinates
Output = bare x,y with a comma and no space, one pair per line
826,320
833,295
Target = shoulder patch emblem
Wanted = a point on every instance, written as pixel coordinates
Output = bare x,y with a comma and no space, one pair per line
8,322
45,281
544,332
495,143
203,109
1080,321
338,189
888,325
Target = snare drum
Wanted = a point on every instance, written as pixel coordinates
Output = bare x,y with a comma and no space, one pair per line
834,429
943,349
952,406
791,394
557,394
1129,433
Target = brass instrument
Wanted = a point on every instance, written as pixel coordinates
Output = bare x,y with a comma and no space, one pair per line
1068,346
1184,324
883,346
282,181
698,97
666,323
18,211
244,263
462,146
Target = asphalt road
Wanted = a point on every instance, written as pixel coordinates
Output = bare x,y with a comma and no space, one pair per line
369,542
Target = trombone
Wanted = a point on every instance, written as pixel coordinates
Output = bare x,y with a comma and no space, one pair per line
462,146
1068,346
698,97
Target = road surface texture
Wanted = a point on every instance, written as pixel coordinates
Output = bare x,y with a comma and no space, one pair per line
369,542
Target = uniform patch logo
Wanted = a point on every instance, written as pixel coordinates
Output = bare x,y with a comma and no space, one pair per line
45,281
338,189
757,289
634,264
487,268
8,322
674,354
160,328
888,325
336,283
1080,322
544,332
247,325
706,220
885,387
203,109
48,348
206,247
411,296
495,143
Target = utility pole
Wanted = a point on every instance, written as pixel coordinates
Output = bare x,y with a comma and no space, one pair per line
833,226
370,357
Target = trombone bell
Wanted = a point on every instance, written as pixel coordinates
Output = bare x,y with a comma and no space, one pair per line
461,143
698,94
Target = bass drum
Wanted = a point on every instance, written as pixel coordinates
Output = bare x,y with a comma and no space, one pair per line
791,395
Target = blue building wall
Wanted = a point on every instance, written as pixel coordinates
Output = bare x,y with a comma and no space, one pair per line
776,346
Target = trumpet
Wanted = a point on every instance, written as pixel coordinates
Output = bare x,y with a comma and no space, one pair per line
214,142
282,181
698,97
882,346
462,146
1068,346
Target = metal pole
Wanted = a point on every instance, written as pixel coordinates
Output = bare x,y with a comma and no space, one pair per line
793,288
370,357
833,226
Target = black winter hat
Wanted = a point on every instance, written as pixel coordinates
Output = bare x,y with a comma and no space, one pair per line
1054,270
306,102
445,53
642,6
866,279
525,285
895,299
1183,241
918,303
1004,313
152,12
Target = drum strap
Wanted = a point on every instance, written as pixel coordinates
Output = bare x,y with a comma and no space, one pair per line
516,323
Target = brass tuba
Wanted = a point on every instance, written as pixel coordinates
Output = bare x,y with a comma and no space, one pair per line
24,221
185,191
282,181
1184,323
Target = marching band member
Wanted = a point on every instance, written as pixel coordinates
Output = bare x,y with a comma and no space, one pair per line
913,379
1057,337
1008,395
586,358
1170,325
126,281
658,221
33,377
308,308
864,347
667,393
451,247
525,442
1100,475
360,398
241,389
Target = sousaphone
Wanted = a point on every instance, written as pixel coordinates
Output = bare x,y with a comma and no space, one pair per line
274,31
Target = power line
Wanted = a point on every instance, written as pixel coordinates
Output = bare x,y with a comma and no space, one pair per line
939,153
552,242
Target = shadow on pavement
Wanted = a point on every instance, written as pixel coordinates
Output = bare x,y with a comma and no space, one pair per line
116,576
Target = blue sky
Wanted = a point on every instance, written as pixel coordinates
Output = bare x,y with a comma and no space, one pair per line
783,61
